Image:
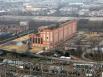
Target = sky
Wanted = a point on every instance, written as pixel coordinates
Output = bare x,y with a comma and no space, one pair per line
55,0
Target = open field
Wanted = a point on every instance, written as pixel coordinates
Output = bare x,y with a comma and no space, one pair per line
20,49
13,46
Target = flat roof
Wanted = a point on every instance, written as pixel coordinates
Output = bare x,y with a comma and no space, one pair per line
57,25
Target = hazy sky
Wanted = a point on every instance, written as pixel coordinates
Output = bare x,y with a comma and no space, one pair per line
56,0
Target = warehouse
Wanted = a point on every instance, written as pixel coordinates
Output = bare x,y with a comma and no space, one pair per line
51,36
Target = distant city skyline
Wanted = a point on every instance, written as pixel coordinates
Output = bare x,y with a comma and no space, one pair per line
50,0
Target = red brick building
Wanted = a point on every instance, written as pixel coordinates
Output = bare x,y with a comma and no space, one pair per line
50,37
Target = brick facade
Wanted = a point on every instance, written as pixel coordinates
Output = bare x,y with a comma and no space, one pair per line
50,38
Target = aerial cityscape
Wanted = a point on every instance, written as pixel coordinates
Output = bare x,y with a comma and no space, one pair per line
51,38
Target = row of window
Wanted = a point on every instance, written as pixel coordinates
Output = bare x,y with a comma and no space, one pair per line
37,40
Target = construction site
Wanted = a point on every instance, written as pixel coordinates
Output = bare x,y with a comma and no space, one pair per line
47,37
57,50
51,38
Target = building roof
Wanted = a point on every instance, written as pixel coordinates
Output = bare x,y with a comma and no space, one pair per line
55,26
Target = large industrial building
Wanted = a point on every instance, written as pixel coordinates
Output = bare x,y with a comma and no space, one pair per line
52,35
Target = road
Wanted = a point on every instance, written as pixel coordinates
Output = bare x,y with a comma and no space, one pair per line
84,53
89,51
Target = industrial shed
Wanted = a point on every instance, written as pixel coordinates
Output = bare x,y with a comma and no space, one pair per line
51,36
